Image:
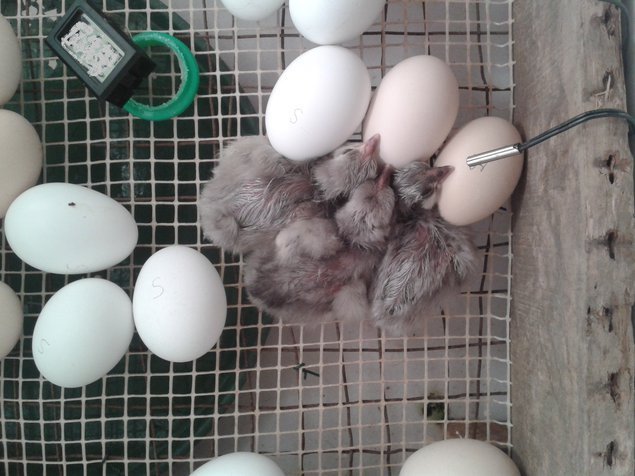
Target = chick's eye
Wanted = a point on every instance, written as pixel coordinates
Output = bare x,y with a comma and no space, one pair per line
427,193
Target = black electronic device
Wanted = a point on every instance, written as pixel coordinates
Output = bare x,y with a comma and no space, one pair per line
106,59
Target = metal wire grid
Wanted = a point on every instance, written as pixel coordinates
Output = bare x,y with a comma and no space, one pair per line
333,399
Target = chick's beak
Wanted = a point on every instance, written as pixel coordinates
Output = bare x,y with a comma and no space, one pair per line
370,147
441,173
385,177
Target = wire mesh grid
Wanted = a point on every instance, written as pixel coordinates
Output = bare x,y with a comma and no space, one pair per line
339,398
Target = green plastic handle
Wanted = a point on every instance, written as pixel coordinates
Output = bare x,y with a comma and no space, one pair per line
190,78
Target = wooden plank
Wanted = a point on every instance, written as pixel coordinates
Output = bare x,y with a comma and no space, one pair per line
573,407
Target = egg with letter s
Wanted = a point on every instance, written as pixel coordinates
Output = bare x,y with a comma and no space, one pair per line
179,304
328,22
239,463
10,61
317,103
69,229
413,109
459,457
82,332
470,194
252,10
11,319
21,157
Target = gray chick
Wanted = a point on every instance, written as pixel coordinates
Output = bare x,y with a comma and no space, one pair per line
254,191
337,175
308,289
309,274
319,268
426,257
365,220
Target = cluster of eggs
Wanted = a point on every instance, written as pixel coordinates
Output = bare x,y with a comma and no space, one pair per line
20,165
179,304
324,95
453,457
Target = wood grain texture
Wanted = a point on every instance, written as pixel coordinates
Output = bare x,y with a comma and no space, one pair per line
573,406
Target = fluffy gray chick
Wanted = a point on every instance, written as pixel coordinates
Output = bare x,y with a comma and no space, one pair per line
336,175
319,268
308,289
254,191
426,257
365,220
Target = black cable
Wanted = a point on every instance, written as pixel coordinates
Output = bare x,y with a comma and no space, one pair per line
596,113
623,8
625,24
515,149
575,121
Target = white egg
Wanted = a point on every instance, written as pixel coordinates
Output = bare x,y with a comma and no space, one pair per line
11,319
239,464
413,109
69,229
82,332
179,304
10,61
21,157
252,10
459,457
328,22
317,103
471,194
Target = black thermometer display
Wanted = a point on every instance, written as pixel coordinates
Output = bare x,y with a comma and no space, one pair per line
99,53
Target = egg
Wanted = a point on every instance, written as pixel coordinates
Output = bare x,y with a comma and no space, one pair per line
459,457
252,10
317,103
21,157
471,194
82,332
179,304
10,61
11,319
69,229
413,109
240,463
328,22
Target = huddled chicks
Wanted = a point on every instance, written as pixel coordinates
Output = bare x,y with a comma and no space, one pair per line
342,237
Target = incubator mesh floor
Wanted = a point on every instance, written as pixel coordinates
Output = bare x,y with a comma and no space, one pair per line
332,399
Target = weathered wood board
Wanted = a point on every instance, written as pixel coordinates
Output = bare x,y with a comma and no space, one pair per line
573,406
